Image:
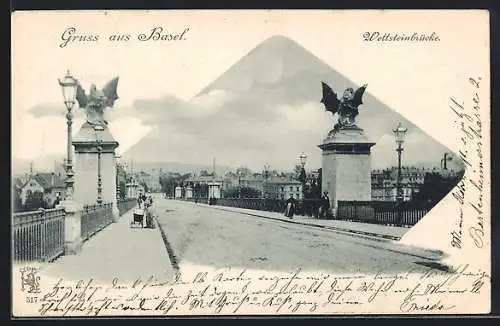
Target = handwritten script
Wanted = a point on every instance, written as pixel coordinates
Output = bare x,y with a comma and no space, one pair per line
229,291
469,191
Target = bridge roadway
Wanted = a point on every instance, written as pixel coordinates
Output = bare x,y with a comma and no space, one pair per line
206,235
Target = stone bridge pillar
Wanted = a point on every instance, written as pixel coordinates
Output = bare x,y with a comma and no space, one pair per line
86,144
346,166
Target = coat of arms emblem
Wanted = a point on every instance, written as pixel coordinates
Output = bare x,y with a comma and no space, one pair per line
29,280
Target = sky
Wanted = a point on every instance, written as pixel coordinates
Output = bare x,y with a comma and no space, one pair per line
414,79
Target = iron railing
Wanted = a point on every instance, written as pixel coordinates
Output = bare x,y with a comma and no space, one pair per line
381,212
377,212
38,235
124,205
309,207
95,218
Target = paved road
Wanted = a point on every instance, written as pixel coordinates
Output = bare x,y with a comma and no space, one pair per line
207,236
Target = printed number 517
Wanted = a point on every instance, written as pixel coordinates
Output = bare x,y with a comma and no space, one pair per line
31,299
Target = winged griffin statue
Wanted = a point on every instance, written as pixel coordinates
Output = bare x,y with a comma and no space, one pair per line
346,107
97,100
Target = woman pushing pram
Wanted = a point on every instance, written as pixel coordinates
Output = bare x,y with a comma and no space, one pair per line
148,203
144,211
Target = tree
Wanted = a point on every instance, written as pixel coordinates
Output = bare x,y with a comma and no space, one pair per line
34,201
197,190
203,190
185,176
123,189
169,181
246,192
168,184
243,171
435,187
297,171
145,186
205,173
17,204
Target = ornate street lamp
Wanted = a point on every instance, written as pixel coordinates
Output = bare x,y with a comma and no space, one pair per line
399,134
118,168
303,158
240,173
267,167
68,85
303,177
445,158
99,152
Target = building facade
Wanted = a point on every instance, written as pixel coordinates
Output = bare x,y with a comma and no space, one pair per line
203,186
384,182
150,182
283,188
49,184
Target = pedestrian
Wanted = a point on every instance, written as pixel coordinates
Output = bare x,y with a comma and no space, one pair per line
290,207
139,201
325,204
148,203
57,201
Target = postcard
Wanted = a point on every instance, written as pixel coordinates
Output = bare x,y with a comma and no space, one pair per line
261,162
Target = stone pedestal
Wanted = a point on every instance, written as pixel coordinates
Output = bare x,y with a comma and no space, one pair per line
346,166
178,192
214,190
189,192
72,227
86,161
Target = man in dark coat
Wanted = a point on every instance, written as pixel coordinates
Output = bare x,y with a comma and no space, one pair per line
325,204
290,207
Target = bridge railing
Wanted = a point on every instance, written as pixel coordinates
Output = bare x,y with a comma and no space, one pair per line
124,205
95,218
380,212
377,212
38,235
309,207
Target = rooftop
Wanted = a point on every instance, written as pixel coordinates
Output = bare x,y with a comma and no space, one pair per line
45,180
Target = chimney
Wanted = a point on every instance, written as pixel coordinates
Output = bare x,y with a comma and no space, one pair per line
52,179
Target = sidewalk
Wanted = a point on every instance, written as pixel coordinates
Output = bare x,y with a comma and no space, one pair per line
376,230
120,251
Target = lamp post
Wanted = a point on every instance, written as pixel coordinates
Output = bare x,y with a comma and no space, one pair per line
399,134
125,177
239,183
68,85
118,168
99,152
266,176
303,177
444,160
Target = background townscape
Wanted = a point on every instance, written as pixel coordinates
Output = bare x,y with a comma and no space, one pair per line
44,189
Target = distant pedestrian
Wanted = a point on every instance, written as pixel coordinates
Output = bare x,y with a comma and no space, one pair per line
325,204
290,207
57,201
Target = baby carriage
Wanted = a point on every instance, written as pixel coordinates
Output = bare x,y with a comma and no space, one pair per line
138,217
